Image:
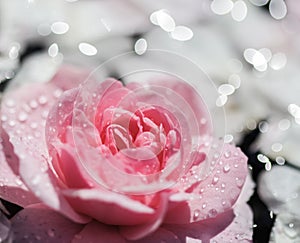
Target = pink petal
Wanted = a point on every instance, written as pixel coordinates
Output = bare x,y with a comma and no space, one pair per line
227,227
38,223
160,235
137,232
69,77
188,94
100,233
109,207
73,173
240,230
12,187
5,229
199,232
215,194
25,111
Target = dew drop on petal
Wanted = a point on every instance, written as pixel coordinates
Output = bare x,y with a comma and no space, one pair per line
226,168
228,138
10,103
12,123
278,9
33,104
182,33
221,7
22,116
42,100
239,182
215,180
204,205
87,49
140,46
239,11
227,154
212,213
196,214
4,118
278,61
51,233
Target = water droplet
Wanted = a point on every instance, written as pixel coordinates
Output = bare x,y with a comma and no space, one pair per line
240,236
277,9
204,205
59,28
290,230
33,104
239,11
57,93
215,180
221,100
10,103
278,61
42,100
212,213
280,160
53,50
226,89
33,125
22,117
38,237
227,154
3,118
87,49
239,182
18,181
165,21
221,7
196,214
51,232
140,46
182,33
12,123
216,155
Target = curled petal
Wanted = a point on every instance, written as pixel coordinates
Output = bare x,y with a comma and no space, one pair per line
109,207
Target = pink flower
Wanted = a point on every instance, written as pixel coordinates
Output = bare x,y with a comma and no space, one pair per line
103,162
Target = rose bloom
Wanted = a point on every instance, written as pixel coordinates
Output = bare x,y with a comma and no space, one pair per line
104,162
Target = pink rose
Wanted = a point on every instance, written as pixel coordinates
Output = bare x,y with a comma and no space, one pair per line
103,162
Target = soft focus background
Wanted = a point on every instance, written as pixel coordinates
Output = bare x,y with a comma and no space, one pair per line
250,49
